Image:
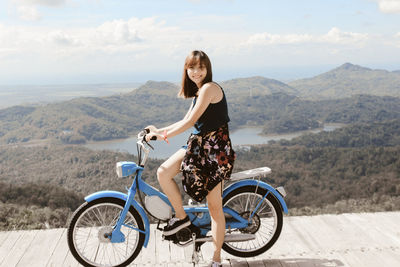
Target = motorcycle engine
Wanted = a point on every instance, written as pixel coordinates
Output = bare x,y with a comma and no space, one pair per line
184,234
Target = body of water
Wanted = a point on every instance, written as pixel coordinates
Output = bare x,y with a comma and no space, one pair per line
240,137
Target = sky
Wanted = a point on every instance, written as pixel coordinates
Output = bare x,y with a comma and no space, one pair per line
115,41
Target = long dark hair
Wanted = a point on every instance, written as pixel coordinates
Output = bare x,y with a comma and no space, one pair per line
189,88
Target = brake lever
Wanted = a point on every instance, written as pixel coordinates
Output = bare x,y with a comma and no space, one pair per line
152,138
148,144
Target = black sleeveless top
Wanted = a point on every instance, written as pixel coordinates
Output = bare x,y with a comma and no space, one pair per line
213,117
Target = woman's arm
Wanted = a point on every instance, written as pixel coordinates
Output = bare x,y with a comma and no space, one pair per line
207,93
154,129
172,126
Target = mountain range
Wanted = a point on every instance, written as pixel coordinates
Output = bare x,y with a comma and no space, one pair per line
278,107
257,85
347,80
344,81
357,162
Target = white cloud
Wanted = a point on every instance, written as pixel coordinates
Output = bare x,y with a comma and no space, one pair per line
118,32
117,42
28,13
337,36
334,36
207,1
62,38
109,36
389,6
10,37
396,40
50,3
138,45
28,9
267,38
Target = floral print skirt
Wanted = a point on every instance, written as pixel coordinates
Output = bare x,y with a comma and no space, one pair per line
208,160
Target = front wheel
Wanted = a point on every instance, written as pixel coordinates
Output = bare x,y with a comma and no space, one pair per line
265,224
91,226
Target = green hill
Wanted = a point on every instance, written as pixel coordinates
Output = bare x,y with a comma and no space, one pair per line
252,102
299,114
316,177
94,118
348,80
35,205
366,175
256,86
382,134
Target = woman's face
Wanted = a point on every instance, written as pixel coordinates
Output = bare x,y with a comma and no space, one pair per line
197,73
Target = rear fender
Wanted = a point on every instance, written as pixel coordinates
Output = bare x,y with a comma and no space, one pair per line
124,197
261,184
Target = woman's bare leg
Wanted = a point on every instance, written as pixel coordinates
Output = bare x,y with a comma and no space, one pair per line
165,174
214,201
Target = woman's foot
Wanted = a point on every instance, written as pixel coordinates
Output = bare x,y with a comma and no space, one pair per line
175,224
216,264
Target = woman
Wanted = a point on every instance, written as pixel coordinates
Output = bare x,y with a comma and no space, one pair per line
208,158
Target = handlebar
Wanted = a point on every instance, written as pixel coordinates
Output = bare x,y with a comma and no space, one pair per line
140,144
142,134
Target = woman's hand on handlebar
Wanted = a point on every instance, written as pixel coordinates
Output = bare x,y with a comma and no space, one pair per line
154,136
152,129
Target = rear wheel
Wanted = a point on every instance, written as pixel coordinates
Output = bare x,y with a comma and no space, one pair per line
91,226
265,224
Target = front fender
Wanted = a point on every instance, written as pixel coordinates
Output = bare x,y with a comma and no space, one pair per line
124,197
261,184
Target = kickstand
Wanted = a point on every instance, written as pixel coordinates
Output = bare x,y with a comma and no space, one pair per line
196,251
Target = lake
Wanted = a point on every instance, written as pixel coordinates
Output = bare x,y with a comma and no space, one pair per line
241,137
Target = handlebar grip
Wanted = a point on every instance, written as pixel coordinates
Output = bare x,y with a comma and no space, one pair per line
153,138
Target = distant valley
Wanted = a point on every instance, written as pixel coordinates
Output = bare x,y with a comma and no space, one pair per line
347,94
12,95
352,169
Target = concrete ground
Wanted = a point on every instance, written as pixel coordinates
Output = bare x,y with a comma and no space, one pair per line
357,240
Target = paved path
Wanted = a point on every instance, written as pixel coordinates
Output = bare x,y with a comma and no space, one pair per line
359,240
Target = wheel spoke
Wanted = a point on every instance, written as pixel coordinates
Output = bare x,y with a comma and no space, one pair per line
90,228
263,225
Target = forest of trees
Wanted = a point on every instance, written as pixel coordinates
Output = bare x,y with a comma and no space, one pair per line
92,119
45,173
35,205
339,175
384,133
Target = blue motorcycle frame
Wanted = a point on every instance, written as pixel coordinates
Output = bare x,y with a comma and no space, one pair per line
139,184
246,221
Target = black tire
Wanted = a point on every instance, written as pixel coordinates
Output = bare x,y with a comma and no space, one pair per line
97,231
268,215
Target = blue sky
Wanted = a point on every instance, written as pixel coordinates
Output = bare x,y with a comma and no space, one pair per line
105,41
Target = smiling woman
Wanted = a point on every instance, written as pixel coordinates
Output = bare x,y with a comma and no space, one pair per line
196,72
207,159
